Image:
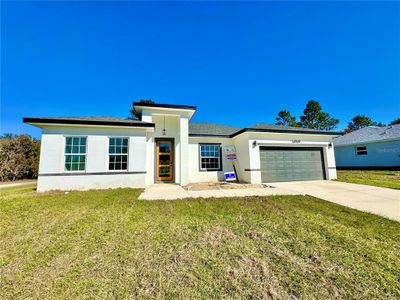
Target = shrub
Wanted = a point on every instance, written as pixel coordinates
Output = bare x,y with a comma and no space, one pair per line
19,157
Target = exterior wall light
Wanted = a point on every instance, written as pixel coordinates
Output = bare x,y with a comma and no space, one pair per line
254,144
164,131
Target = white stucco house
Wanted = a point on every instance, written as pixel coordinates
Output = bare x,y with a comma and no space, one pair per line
369,147
79,153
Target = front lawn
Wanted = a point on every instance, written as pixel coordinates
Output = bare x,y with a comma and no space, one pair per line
388,179
107,244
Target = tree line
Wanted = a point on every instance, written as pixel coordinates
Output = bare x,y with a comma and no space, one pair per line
315,118
19,157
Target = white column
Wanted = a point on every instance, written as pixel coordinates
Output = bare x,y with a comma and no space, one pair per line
184,145
149,151
330,162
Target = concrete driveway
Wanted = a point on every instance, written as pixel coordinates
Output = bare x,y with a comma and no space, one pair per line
376,200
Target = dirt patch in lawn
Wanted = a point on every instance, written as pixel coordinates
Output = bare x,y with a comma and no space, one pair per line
202,186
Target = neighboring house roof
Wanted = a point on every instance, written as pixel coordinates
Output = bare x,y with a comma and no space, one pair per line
368,135
109,121
207,129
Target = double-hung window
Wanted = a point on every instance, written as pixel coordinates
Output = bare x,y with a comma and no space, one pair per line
75,153
361,150
118,154
210,157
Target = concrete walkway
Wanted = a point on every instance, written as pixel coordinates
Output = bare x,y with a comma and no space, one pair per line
376,200
173,191
6,185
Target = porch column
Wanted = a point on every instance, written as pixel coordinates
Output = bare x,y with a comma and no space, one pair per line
184,143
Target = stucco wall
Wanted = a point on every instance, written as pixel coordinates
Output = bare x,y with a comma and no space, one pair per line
52,174
383,154
243,157
195,175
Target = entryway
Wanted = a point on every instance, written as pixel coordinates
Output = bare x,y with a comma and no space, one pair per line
164,160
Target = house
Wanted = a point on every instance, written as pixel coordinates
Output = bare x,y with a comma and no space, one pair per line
369,147
164,146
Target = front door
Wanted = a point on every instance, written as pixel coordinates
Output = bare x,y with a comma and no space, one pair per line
164,160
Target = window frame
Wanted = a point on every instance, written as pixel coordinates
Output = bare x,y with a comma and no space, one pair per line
219,157
116,154
75,154
362,152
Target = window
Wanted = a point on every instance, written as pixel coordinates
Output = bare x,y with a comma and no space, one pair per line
118,154
210,157
361,150
75,153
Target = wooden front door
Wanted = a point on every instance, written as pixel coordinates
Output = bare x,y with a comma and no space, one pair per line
164,160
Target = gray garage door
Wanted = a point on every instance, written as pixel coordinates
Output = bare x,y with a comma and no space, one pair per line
291,164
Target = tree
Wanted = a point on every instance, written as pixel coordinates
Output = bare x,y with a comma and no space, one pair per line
286,119
314,118
19,157
360,121
395,122
134,114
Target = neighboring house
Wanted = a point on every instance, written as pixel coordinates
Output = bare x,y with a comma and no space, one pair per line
373,146
163,146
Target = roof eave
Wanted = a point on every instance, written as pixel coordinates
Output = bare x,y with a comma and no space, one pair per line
209,135
35,121
259,130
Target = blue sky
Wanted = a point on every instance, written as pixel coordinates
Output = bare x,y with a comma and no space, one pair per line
239,63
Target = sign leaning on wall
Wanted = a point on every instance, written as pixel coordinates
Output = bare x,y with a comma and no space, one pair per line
230,152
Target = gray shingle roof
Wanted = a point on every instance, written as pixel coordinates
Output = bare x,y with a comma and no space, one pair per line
263,126
101,120
207,129
368,135
211,129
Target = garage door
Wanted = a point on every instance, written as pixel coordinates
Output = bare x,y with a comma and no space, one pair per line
291,164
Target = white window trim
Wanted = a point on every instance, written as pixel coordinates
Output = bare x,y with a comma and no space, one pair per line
219,158
127,154
65,154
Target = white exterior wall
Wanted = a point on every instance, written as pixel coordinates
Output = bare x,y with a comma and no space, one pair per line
382,154
243,157
52,175
195,174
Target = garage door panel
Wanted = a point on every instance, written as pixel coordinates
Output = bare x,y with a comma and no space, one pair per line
291,164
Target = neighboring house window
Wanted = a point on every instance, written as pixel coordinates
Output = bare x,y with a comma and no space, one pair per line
210,157
361,150
118,154
75,153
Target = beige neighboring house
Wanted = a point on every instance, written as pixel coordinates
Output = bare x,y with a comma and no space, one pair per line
79,153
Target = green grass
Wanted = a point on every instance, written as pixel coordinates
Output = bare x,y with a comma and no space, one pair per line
107,244
388,179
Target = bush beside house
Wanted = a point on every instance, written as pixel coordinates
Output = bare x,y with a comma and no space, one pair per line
19,157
